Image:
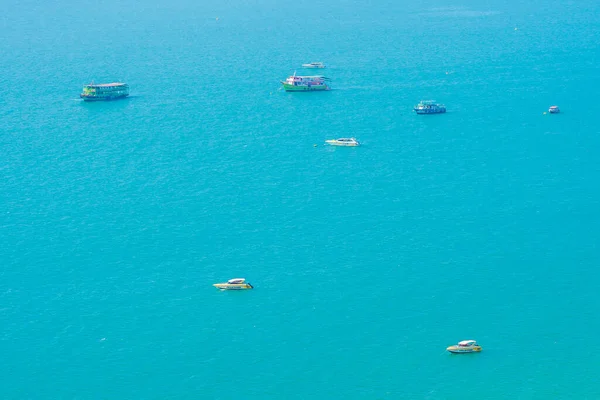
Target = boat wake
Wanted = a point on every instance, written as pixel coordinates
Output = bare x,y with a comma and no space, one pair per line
369,88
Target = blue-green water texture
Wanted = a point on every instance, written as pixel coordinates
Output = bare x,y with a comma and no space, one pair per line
482,223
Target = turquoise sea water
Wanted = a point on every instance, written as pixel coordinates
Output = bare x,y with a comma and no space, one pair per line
482,223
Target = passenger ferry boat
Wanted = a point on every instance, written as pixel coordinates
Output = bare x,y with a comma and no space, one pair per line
465,346
305,83
429,107
314,65
554,110
348,142
234,284
105,91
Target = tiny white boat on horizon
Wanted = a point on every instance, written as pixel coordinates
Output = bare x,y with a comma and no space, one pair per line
234,284
314,65
348,142
465,346
554,110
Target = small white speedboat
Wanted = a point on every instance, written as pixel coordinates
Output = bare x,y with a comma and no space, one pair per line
554,110
314,65
234,284
349,142
465,346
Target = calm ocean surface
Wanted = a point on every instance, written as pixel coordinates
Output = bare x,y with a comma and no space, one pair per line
482,223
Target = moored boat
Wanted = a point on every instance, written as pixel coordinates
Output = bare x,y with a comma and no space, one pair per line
234,284
429,107
314,65
105,91
297,83
465,346
348,142
554,110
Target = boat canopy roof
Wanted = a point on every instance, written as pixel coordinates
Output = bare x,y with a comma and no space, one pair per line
309,76
467,342
236,281
114,84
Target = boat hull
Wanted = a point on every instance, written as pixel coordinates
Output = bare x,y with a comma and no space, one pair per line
440,111
102,98
304,88
335,143
233,286
456,350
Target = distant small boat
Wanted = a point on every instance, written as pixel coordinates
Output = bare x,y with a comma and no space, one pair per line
105,91
429,107
314,65
554,110
465,346
234,284
348,142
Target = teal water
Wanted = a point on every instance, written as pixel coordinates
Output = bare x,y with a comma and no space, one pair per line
367,262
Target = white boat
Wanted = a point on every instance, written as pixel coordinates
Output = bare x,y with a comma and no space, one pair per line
554,110
314,65
349,142
234,284
465,346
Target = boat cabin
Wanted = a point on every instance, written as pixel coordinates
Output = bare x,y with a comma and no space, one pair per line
305,80
236,281
467,343
104,88
429,104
